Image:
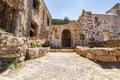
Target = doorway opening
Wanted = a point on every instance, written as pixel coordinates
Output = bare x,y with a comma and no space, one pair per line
33,30
66,38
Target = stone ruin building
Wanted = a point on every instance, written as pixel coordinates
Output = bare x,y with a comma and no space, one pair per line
27,18
30,22
88,28
31,18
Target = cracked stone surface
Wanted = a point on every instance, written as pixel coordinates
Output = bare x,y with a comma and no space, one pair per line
64,66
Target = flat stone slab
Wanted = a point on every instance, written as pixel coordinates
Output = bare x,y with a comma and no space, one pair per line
8,56
9,52
62,50
32,53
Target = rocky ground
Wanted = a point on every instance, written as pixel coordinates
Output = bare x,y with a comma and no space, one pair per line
64,66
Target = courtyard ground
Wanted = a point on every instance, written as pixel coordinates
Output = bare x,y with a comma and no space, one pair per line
64,66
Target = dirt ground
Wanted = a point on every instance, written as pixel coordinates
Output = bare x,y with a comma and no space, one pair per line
64,66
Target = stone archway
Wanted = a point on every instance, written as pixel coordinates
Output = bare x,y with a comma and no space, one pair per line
66,38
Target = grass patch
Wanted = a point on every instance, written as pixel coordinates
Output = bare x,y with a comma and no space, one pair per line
13,64
2,30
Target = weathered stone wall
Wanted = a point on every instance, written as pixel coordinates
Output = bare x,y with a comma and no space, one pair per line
114,10
12,47
107,44
100,54
45,16
26,13
99,27
85,21
19,48
56,32
34,16
88,28
108,23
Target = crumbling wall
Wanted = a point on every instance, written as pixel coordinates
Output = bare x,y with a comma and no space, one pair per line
100,54
17,49
22,13
8,16
114,10
56,32
109,43
99,27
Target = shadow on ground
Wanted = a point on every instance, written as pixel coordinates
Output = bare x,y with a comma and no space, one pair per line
107,65
4,64
2,70
110,65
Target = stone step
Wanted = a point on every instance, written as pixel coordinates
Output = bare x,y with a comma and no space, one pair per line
8,56
9,51
62,50
9,47
32,53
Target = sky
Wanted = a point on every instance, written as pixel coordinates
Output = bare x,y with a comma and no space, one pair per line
73,8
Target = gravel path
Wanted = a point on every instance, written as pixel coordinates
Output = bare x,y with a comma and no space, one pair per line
65,66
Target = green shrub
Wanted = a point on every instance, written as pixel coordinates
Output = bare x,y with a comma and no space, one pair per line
13,64
2,30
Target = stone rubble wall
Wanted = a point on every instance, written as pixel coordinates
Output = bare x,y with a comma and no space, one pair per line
100,54
19,48
114,9
24,13
55,34
88,28
109,44
14,44
99,27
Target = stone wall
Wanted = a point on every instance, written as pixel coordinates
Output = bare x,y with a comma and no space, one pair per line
99,27
108,23
114,10
12,47
109,44
56,32
26,13
100,54
19,49
88,28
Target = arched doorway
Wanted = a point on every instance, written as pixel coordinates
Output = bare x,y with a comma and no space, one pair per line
66,38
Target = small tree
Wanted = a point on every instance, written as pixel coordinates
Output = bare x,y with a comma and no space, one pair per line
66,20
